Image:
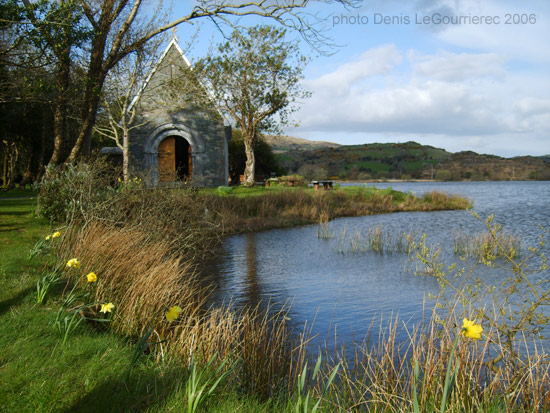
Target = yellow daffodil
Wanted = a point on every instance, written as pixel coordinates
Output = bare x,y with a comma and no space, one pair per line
54,235
173,313
471,329
73,262
91,277
106,308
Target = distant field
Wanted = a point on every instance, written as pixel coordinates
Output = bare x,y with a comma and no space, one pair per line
409,160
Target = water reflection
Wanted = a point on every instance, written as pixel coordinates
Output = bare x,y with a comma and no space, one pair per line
252,289
346,290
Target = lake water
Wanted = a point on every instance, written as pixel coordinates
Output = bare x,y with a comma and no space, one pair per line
347,291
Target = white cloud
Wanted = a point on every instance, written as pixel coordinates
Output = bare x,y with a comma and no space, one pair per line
378,61
465,100
453,67
521,32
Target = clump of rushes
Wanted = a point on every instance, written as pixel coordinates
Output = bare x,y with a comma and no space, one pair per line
485,245
470,330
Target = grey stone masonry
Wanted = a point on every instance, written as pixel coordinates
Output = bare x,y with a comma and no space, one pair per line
166,110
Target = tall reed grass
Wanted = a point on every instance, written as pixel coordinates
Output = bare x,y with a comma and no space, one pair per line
293,207
380,375
485,244
144,278
376,240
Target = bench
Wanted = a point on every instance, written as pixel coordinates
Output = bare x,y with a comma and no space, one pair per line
327,185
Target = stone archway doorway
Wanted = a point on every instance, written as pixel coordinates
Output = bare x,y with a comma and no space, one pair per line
174,159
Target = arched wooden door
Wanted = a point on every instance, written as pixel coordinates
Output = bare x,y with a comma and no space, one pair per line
174,159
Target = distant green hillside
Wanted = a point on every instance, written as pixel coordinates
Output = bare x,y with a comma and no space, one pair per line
281,143
409,160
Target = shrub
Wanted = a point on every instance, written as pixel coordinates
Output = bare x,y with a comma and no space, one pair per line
293,180
443,175
67,190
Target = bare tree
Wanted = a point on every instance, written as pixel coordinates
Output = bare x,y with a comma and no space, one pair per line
122,94
119,29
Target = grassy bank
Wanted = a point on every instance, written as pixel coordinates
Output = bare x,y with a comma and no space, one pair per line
275,207
89,372
143,247
37,374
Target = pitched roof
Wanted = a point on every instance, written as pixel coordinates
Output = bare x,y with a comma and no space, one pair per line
172,53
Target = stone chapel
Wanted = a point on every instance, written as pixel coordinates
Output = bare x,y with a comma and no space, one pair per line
177,141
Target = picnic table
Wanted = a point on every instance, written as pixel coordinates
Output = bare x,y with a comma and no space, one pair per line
327,185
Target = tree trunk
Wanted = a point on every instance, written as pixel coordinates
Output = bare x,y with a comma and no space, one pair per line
27,176
97,71
125,154
250,168
82,146
43,142
60,114
5,169
90,103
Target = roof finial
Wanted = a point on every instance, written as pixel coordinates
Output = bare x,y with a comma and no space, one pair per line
174,29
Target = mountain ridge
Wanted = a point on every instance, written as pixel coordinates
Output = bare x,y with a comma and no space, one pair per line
408,160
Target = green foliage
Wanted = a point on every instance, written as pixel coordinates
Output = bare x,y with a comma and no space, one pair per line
376,160
203,381
224,190
70,190
516,312
44,284
304,398
255,78
409,160
266,162
443,175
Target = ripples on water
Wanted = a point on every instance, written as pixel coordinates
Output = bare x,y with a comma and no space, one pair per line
350,290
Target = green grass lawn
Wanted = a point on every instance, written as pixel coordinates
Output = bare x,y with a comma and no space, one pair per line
17,193
89,372
37,373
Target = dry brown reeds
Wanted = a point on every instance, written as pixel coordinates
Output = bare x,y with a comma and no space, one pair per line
381,375
437,200
143,278
294,207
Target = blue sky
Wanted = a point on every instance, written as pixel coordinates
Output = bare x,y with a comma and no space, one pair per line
481,86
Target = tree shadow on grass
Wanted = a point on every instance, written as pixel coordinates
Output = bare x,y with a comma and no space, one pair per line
5,305
139,393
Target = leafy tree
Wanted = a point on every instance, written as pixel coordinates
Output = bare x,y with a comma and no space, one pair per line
118,28
255,80
73,45
58,28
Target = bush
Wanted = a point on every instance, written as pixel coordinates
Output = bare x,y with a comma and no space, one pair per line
67,191
443,175
89,192
293,180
